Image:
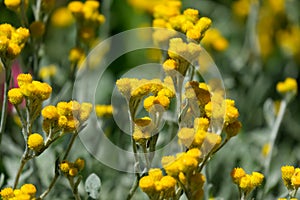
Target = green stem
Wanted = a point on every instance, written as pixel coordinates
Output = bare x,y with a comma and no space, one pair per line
70,145
133,188
24,160
42,196
5,99
273,137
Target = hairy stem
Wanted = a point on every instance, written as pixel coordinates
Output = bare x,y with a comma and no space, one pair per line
133,188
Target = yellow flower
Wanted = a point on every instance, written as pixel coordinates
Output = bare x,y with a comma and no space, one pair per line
288,86
191,14
62,121
15,96
237,174
245,183
147,184
3,44
85,111
35,141
79,164
13,50
170,65
43,90
64,166
63,108
29,189
47,71
37,29
286,174
73,172
168,186
201,124
62,17
24,79
7,193
295,180
256,179
12,4
155,173
103,110
76,7
50,112
186,136
76,55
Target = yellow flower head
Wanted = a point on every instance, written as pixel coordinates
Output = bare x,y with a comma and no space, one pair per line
286,173
103,110
15,96
7,193
24,79
245,183
37,29
47,72
295,180
256,179
147,184
29,189
85,111
201,123
237,174
64,166
79,164
12,4
63,108
13,50
50,113
191,14
168,185
186,136
4,41
35,141
76,55
62,17
155,173
288,86
187,163
73,172
62,121
76,8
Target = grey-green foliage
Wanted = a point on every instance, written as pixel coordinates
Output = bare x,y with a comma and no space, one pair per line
93,186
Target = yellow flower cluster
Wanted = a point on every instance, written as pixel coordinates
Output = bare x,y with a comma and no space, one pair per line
62,17
291,177
103,110
246,182
287,40
65,116
72,168
88,18
76,55
134,89
29,89
157,186
180,55
12,40
213,39
168,15
47,72
289,86
35,141
26,192
184,168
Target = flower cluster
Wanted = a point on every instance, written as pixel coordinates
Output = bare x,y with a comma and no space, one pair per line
246,182
26,192
71,168
157,186
185,169
65,116
12,40
288,86
291,177
87,17
168,15
134,90
16,5
34,93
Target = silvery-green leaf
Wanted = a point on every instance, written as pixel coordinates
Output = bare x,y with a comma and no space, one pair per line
93,185
269,112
